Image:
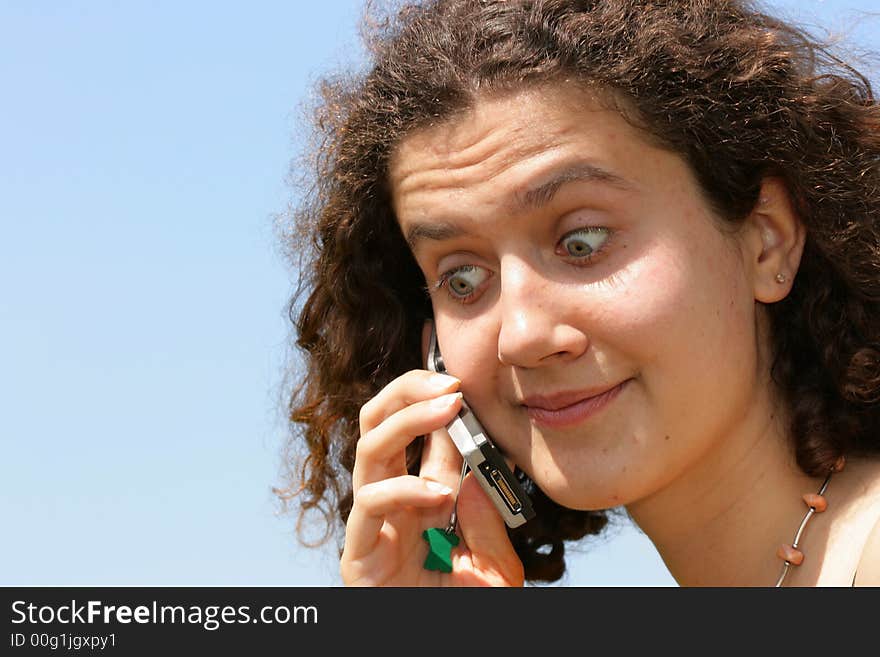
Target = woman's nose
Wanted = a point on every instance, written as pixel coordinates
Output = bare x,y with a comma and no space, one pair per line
536,319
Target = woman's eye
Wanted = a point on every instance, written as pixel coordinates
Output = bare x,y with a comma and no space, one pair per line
582,243
463,281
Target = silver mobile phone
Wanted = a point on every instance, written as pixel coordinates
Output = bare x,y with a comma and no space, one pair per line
482,457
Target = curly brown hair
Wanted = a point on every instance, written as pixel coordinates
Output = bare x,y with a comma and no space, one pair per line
738,94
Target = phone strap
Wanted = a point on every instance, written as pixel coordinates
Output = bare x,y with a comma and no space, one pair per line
440,540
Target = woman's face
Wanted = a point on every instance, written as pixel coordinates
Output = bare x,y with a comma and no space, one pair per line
602,326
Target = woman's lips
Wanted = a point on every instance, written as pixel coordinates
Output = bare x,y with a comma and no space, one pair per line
557,413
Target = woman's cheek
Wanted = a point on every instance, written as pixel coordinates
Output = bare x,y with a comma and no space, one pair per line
468,351
645,303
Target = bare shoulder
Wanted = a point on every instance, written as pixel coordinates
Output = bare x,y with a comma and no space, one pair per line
868,571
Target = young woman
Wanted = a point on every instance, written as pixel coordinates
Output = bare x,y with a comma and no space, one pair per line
647,237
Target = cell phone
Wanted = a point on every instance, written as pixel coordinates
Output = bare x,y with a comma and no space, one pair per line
482,457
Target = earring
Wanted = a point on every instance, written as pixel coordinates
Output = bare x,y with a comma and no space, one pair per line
781,278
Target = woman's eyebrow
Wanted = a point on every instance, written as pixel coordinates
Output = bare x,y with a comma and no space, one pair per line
436,231
531,198
540,195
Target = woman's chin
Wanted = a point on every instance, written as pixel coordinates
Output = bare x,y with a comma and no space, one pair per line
579,497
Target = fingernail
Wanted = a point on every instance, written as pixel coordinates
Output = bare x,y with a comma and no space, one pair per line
437,487
445,401
442,381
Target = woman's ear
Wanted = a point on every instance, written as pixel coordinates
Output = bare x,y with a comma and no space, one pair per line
775,239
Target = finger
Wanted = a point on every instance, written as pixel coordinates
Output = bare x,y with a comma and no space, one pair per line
441,460
380,454
409,388
373,502
485,533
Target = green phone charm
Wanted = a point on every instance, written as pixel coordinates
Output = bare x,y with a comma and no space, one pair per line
442,540
440,553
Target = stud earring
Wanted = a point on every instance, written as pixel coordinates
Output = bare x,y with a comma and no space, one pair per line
781,278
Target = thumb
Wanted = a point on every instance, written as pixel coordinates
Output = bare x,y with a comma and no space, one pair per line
485,534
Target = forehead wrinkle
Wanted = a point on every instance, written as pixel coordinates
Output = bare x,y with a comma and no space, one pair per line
474,140
447,168
469,152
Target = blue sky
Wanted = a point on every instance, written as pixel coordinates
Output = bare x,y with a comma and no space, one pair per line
144,150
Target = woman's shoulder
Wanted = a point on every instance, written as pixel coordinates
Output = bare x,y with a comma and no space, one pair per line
868,570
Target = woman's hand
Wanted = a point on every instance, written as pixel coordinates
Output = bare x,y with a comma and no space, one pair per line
383,539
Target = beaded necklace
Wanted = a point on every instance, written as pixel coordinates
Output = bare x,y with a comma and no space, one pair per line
791,555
